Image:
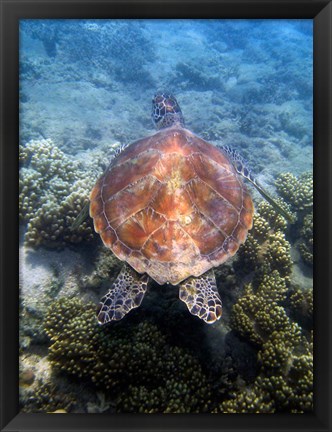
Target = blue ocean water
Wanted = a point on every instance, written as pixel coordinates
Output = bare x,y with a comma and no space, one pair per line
246,83
86,88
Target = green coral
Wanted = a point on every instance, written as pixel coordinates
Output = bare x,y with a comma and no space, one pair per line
287,370
307,244
53,191
285,383
46,398
44,168
298,192
251,400
277,255
285,380
277,350
258,312
300,303
273,315
271,217
266,248
137,365
182,388
140,370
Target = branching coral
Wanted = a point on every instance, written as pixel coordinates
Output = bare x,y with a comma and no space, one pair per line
277,255
285,383
264,315
266,248
46,397
258,312
306,246
141,371
285,380
274,220
183,388
249,400
53,191
44,169
136,365
287,370
300,303
298,192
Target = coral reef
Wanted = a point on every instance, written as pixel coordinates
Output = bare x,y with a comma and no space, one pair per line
250,400
137,365
46,398
266,248
285,356
39,391
258,312
269,315
96,45
41,162
307,244
188,75
138,368
298,192
300,304
285,382
106,266
257,97
53,191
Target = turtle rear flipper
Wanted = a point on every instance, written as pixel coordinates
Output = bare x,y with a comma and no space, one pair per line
126,293
201,296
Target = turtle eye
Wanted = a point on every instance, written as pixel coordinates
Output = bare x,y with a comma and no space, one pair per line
169,103
172,105
157,99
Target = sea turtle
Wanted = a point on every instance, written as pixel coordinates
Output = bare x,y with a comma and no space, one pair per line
173,207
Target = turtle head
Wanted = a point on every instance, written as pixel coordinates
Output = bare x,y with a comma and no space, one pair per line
166,111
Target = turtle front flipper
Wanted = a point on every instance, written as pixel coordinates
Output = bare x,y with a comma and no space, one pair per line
126,293
81,217
201,296
243,169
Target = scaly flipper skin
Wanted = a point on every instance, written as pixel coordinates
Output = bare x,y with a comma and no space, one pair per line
242,168
201,296
126,293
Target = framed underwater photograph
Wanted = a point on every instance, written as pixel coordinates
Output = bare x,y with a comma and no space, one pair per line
168,161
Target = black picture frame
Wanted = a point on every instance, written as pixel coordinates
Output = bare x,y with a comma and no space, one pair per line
11,12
